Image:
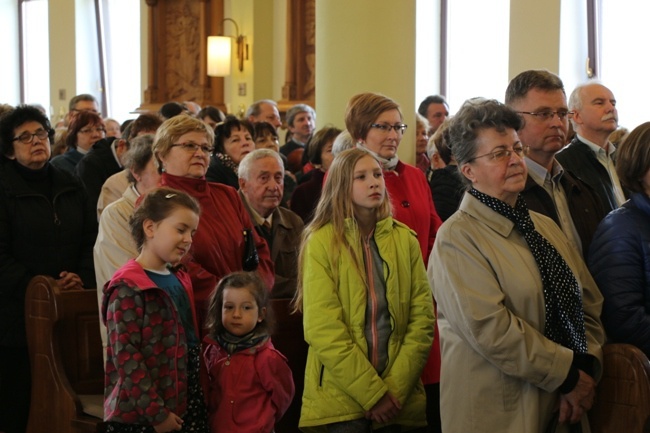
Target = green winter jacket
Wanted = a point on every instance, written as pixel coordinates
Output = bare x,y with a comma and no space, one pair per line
340,382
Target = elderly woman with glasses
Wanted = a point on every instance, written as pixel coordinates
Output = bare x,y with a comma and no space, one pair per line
518,310
375,124
47,227
86,128
182,148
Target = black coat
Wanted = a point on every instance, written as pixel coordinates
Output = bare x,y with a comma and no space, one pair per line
578,159
447,189
584,206
96,166
220,173
40,236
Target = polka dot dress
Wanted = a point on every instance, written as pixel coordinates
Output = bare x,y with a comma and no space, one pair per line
562,294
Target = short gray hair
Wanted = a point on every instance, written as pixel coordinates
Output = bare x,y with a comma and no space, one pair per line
256,107
475,115
342,142
138,156
575,99
296,110
246,164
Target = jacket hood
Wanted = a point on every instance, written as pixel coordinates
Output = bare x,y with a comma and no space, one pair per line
133,275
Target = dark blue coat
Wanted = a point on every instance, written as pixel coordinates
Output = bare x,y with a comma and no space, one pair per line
619,260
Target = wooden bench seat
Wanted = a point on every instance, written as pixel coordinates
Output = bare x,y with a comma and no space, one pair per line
65,353
623,395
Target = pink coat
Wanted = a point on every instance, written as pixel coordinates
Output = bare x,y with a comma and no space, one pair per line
249,391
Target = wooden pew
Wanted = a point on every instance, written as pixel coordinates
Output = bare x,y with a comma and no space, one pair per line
65,353
623,395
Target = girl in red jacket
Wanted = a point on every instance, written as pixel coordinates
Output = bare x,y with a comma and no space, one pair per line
153,352
251,386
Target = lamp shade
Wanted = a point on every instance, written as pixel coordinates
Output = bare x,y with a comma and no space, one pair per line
219,56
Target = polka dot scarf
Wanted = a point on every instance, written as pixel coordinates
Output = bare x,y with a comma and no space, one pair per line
562,294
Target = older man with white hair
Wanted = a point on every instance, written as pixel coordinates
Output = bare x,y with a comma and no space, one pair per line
591,155
261,185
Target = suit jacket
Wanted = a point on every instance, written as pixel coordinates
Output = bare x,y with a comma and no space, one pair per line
580,160
584,206
284,243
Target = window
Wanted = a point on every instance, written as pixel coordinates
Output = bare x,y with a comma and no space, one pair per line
477,50
10,70
35,59
623,30
120,30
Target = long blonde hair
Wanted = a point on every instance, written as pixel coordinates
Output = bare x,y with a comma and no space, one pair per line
335,207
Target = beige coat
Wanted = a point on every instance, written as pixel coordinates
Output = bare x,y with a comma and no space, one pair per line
499,372
114,245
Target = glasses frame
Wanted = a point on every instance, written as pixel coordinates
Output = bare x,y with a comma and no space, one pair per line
30,140
495,155
548,115
386,127
193,147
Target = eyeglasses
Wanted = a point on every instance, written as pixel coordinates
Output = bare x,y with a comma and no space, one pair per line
385,127
27,138
193,147
99,129
504,154
547,115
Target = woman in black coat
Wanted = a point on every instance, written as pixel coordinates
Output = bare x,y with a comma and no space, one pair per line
47,227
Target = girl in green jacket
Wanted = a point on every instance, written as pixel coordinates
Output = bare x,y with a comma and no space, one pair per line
368,312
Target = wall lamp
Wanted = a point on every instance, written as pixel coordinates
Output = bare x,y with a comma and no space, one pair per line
219,52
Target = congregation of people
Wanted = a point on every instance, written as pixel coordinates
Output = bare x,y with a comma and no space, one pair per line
469,292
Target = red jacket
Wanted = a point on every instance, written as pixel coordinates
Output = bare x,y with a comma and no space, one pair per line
218,245
412,203
250,390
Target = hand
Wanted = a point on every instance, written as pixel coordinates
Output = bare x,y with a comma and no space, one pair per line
385,409
70,281
576,403
173,422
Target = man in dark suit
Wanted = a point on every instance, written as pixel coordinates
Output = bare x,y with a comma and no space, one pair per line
591,155
538,96
261,184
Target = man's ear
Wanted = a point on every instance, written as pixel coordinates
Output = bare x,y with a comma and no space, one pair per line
242,183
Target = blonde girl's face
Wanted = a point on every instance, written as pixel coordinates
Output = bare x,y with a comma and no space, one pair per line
368,187
240,313
168,240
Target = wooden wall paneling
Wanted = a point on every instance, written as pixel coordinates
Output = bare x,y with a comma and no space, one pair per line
177,52
300,67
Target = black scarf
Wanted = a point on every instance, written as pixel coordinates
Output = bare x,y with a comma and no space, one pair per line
565,323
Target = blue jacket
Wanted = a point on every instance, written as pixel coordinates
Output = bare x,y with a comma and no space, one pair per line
619,260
